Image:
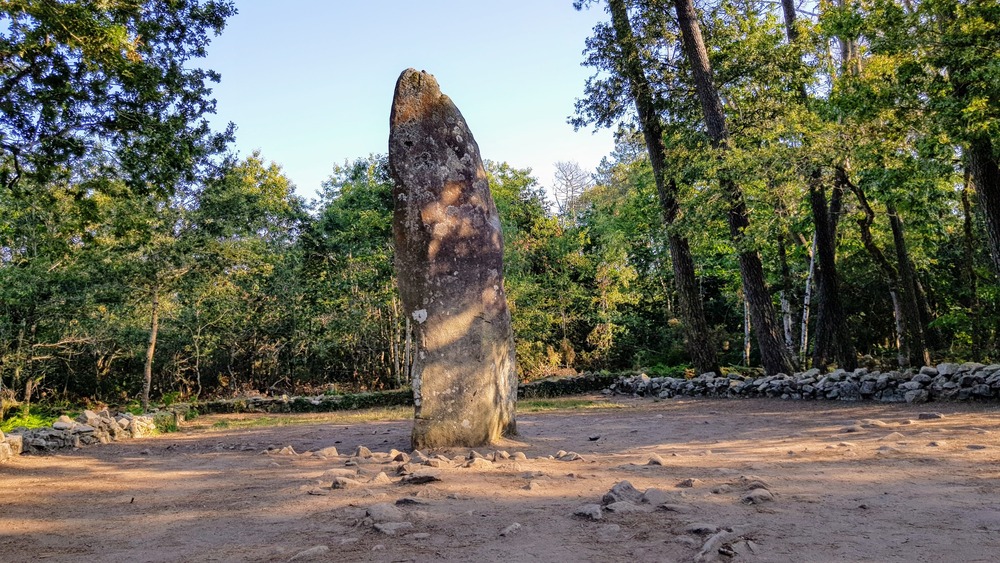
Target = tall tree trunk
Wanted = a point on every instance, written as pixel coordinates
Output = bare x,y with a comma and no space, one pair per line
774,356
969,297
154,326
807,303
913,324
985,173
785,295
698,339
832,341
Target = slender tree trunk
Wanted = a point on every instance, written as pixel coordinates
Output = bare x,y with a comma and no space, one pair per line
969,297
774,355
913,324
154,327
807,303
698,339
985,173
746,332
832,342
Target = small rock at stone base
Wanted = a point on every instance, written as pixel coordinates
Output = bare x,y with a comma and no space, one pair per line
519,456
590,511
479,463
757,496
656,496
688,483
929,416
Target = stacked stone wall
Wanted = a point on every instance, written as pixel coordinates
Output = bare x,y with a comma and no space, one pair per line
944,382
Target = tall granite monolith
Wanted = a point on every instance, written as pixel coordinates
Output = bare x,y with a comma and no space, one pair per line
449,266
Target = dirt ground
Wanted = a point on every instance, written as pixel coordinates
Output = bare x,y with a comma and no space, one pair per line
850,482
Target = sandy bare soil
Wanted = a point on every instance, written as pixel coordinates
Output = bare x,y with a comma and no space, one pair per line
893,488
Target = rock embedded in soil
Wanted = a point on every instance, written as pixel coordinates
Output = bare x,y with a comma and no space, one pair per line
449,266
757,496
622,491
589,511
385,512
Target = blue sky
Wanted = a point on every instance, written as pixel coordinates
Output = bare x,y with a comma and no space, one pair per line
309,82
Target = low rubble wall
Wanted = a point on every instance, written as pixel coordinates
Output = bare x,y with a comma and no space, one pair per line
944,382
88,428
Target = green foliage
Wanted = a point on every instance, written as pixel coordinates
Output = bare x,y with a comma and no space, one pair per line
28,418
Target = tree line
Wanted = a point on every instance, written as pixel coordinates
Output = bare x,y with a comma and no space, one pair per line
788,189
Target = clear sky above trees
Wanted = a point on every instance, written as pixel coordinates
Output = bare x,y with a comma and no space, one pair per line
309,82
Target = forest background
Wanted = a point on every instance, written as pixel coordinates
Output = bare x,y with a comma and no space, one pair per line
792,186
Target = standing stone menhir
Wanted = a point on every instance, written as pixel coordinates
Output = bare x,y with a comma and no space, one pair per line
449,265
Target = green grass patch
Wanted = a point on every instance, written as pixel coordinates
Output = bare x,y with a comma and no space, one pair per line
27,419
568,403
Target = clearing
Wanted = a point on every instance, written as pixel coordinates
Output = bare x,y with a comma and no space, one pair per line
850,482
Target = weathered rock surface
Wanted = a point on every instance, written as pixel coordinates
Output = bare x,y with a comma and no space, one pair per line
449,265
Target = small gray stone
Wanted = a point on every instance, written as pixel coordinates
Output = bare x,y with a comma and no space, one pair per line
622,491
328,452
917,396
930,416
757,496
688,483
385,512
893,437
976,447
656,496
678,508
590,511
420,536
362,452
380,479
